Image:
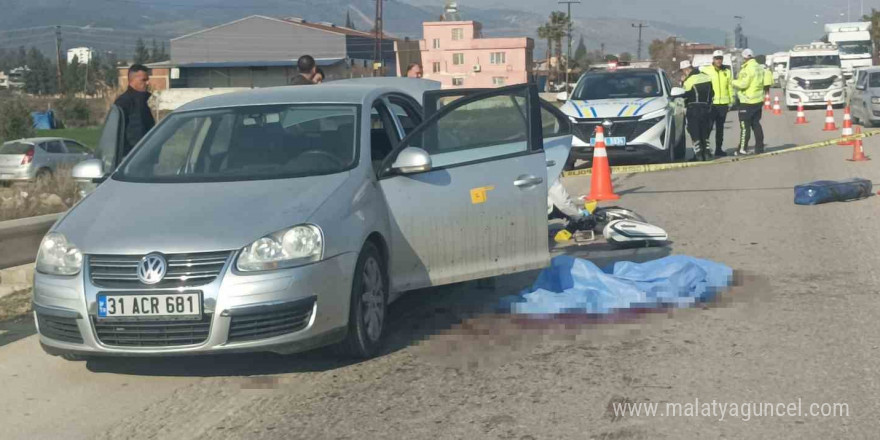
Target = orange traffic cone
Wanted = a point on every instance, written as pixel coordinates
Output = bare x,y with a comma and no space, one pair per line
766,101
829,118
847,130
858,150
777,110
600,182
801,117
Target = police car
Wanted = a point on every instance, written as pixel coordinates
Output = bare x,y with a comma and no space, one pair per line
641,113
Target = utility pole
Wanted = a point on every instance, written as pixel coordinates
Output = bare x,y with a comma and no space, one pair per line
640,26
58,56
568,57
377,50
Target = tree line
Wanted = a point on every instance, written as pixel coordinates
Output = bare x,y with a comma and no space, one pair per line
554,31
92,78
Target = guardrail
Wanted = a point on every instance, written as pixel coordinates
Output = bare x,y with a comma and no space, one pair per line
20,239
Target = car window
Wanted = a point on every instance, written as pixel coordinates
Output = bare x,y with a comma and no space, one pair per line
383,136
618,85
666,83
73,147
54,147
247,143
874,81
491,127
15,148
408,116
553,123
860,81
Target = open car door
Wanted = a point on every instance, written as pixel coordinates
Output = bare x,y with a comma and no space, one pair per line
110,143
477,206
556,127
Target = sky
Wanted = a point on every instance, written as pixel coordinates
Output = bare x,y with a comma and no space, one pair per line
786,22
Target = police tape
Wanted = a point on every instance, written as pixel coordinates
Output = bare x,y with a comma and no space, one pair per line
632,169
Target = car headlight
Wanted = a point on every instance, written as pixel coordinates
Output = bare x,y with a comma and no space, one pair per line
286,248
657,115
875,100
57,256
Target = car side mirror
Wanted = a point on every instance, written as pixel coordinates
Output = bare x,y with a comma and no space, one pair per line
677,92
88,170
412,160
562,96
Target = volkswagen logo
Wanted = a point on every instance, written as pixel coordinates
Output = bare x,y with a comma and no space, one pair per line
152,269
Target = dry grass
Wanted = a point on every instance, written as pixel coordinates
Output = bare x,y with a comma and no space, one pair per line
31,199
15,305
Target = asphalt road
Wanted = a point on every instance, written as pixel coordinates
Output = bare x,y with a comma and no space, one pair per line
803,325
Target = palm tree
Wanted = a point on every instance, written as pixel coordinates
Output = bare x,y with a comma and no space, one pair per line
559,29
545,32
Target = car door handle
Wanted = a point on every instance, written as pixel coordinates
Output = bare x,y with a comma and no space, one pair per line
526,181
551,163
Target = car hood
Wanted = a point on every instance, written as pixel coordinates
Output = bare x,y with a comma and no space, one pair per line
139,218
613,108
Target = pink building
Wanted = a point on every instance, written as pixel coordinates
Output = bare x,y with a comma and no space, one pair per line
454,53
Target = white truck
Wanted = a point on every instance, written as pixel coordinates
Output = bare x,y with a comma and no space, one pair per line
854,42
814,76
778,64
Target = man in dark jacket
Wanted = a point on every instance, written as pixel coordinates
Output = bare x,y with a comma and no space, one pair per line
307,69
133,103
699,105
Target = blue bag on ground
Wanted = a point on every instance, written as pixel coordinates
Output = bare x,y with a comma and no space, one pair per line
573,285
824,191
43,120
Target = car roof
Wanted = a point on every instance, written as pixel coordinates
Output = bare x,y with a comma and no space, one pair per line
335,92
37,140
627,69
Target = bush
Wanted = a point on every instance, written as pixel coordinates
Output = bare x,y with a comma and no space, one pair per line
15,120
74,112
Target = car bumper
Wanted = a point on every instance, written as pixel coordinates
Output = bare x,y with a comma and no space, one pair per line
815,97
630,153
67,323
9,174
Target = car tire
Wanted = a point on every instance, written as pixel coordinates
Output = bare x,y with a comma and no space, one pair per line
569,163
368,310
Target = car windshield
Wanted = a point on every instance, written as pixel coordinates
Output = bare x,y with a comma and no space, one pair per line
15,148
854,47
611,85
804,62
247,143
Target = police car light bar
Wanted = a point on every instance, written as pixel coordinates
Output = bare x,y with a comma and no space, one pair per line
814,46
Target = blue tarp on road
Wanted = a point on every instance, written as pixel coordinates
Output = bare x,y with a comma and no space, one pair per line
573,285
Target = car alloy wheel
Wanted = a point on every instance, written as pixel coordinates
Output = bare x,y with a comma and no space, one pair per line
369,293
373,299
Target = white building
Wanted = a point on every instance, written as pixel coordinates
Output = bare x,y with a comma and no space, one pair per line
4,81
82,54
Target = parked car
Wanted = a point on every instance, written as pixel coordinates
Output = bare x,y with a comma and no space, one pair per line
39,158
641,112
864,99
288,218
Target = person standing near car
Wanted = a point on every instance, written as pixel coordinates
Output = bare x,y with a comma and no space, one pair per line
307,70
750,91
722,88
133,103
698,99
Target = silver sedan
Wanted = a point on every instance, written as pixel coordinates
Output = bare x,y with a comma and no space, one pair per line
38,158
289,218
